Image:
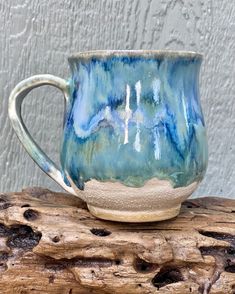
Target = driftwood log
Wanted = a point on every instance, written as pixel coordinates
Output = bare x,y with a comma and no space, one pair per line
50,243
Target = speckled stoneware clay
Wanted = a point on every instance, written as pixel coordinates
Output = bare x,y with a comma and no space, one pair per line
134,140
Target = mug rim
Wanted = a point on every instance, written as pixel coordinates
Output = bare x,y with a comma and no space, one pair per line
135,53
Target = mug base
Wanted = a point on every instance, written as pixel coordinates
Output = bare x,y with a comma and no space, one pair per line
134,216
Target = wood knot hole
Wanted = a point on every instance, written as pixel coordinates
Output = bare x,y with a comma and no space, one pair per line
56,239
100,232
31,214
230,268
143,266
167,276
25,205
118,262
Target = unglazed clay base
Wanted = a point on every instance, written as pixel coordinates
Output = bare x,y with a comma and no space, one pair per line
134,216
156,200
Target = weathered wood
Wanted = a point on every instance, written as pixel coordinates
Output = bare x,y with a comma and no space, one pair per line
49,243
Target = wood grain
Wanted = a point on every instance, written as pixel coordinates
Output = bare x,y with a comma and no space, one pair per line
49,243
37,36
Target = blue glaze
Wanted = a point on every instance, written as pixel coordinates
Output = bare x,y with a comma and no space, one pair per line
134,118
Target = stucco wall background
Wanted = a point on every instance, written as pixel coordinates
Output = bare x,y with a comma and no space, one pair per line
37,36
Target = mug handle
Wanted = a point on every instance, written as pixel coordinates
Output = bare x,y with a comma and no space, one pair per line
15,101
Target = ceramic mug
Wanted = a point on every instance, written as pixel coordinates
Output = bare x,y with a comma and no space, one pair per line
134,138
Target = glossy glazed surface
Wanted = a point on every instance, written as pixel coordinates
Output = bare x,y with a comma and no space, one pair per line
134,118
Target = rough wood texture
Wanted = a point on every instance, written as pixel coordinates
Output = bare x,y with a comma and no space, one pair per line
49,243
37,36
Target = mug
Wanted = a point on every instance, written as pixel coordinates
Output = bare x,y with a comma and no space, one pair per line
134,139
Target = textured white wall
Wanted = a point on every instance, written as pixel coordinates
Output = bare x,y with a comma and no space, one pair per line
37,36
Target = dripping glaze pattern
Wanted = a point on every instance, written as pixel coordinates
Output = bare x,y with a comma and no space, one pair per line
132,118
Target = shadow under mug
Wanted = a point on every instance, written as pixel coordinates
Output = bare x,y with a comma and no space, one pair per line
134,138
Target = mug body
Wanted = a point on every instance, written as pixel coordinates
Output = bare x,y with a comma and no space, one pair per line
134,143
